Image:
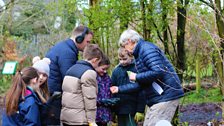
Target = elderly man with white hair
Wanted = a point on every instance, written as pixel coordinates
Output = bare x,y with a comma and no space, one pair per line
156,77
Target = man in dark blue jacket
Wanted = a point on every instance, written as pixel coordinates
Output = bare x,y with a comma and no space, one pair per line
155,75
64,55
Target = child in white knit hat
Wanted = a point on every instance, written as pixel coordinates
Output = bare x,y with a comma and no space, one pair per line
43,68
42,88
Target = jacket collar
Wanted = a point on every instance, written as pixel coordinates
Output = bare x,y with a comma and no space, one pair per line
72,45
85,63
31,94
137,47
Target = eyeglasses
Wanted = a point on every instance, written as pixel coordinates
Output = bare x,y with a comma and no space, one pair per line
123,44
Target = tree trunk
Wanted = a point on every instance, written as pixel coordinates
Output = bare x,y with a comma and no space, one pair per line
149,23
92,4
181,22
143,18
219,13
165,27
124,14
197,71
220,25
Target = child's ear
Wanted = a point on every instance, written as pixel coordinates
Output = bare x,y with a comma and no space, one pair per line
95,60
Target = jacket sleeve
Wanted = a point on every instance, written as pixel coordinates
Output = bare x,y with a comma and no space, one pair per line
31,113
129,88
89,91
154,62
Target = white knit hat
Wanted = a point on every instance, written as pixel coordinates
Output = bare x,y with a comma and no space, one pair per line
42,65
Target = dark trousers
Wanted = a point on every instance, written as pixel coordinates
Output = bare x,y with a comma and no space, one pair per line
126,120
54,112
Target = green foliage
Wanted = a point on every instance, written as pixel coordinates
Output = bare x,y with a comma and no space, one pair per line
5,82
205,95
184,124
108,18
29,20
205,71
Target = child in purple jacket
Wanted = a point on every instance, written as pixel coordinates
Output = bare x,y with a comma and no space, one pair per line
104,100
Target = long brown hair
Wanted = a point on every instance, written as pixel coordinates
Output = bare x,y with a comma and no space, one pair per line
18,88
45,90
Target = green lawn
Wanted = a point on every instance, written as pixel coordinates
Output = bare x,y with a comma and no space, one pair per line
204,96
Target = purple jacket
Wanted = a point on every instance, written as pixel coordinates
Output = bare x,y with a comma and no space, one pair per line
103,114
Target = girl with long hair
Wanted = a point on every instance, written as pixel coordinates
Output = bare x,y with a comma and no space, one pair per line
43,69
21,103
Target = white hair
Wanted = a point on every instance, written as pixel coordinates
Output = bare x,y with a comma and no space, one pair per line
129,34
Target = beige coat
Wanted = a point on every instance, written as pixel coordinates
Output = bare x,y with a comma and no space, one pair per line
79,99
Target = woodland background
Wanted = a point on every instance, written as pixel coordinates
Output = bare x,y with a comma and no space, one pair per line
191,33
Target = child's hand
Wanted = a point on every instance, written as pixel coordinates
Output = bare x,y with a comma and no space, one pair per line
114,89
92,124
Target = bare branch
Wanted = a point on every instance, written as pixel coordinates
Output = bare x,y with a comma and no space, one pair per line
157,31
6,6
172,42
207,3
29,18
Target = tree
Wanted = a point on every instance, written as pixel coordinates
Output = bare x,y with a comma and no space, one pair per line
219,14
181,23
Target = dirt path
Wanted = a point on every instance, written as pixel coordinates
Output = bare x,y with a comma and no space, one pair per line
200,114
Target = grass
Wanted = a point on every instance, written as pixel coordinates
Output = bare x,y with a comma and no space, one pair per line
204,96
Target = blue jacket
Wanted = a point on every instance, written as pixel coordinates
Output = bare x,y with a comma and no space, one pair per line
130,102
63,55
154,67
28,112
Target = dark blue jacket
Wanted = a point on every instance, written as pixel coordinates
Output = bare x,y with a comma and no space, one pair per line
63,55
28,112
154,67
130,102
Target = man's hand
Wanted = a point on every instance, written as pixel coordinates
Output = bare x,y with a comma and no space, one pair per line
132,76
139,117
114,89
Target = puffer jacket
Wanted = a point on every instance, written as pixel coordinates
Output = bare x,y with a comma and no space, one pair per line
154,68
28,112
130,102
79,94
63,55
